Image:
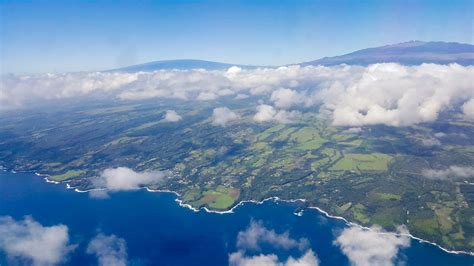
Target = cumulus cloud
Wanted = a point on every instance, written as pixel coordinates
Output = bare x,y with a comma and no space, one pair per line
223,115
387,93
110,250
241,96
430,142
172,116
256,235
264,113
240,259
371,247
354,130
206,96
440,135
452,172
468,109
234,70
123,179
17,90
285,98
267,113
397,95
30,241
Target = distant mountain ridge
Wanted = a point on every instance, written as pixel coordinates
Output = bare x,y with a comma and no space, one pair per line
407,53
180,64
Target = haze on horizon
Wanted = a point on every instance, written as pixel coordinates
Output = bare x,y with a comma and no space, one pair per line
54,36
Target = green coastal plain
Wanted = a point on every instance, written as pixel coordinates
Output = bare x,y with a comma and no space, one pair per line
371,175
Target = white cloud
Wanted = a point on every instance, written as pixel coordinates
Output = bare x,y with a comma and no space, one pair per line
264,113
285,98
371,247
206,96
267,113
225,92
440,135
256,234
397,95
29,240
110,250
241,96
389,93
172,116
354,130
452,172
223,115
283,116
468,109
430,142
240,259
123,179
17,90
234,70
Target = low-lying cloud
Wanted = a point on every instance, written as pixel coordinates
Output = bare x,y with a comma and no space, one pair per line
223,115
430,142
172,116
387,93
257,235
468,109
453,172
397,95
240,259
267,113
109,250
370,247
286,98
33,243
124,179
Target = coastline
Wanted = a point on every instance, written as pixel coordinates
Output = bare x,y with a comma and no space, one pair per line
277,199
243,202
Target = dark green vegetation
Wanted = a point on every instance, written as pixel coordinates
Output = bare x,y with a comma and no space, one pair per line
371,177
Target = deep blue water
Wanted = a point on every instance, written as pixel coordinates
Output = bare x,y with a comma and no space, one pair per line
160,232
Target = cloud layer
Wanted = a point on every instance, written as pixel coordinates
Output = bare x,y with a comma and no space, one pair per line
389,94
110,250
256,235
452,172
30,241
266,113
223,115
371,247
468,109
124,179
172,116
240,259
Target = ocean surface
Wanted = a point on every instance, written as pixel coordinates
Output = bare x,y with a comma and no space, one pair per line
158,231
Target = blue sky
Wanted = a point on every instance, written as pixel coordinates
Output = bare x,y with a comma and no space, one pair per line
56,36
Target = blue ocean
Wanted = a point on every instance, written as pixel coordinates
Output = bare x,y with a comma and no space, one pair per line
158,231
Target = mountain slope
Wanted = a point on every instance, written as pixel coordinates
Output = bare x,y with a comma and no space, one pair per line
408,53
179,64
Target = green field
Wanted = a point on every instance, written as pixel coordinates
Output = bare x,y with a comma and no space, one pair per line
221,198
373,177
67,175
363,162
307,139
